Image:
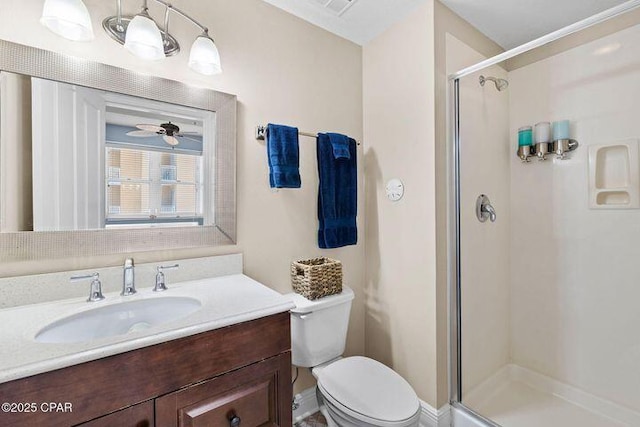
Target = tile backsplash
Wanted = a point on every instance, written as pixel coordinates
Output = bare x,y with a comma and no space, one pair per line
33,289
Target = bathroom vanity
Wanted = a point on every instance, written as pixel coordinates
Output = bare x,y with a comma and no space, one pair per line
239,372
226,364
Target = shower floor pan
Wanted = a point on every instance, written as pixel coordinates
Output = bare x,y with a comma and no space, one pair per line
518,397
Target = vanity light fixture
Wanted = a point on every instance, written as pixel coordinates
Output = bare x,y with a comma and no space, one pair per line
67,18
141,36
204,57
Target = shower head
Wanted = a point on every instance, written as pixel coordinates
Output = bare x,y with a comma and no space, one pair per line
501,84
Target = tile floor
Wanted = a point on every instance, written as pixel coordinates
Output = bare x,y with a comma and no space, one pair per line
313,420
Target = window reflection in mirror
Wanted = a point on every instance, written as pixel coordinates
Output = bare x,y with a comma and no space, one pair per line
95,160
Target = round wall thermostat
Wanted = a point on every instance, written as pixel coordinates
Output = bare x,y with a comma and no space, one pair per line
395,189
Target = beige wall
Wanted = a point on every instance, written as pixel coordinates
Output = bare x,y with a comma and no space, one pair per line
400,237
405,91
447,24
283,70
484,169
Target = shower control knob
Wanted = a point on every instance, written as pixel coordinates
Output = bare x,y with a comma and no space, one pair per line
484,210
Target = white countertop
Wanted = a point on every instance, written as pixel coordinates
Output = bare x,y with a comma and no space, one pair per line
226,300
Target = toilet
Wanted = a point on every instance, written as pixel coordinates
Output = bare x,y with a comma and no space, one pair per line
352,391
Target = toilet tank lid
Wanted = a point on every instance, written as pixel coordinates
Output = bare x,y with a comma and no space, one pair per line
304,305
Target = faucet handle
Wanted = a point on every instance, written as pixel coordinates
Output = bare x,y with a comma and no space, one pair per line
95,289
128,278
160,280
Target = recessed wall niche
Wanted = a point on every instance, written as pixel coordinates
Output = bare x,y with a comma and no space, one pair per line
614,175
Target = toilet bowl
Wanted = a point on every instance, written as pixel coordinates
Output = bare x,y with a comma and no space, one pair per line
352,391
358,391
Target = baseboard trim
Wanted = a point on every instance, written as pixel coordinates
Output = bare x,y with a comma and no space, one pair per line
307,404
429,416
432,417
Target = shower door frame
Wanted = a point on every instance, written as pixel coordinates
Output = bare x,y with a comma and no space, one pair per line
453,195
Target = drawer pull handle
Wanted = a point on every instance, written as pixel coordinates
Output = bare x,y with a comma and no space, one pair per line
234,420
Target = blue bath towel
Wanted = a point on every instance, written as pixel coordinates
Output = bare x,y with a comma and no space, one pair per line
337,194
340,145
283,154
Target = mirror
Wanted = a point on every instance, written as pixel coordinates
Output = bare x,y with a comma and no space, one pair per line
146,163
91,159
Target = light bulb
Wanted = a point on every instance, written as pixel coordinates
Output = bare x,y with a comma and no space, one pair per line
143,38
67,18
204,57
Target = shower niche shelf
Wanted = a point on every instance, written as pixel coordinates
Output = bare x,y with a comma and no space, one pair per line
614,175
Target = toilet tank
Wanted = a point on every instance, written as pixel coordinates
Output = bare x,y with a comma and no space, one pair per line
319,328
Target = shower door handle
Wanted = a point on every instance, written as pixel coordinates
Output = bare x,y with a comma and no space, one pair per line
484,210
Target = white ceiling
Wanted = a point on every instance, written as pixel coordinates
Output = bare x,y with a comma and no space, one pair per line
508,22
511,23
360,23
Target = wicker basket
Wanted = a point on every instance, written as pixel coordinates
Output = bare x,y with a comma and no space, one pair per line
316,277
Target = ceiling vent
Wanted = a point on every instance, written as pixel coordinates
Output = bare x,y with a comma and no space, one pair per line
337,7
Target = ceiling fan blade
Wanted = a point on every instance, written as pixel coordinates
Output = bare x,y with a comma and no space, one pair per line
150,128
141,133
171,140
191,139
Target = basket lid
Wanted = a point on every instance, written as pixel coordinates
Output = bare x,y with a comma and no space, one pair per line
304,305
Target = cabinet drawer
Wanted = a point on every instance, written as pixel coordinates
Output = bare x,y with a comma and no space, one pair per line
257,395
249,404
140,415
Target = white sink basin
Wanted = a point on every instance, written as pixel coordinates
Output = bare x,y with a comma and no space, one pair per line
117,319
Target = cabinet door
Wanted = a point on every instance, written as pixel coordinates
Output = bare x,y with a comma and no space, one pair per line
256,395
140,415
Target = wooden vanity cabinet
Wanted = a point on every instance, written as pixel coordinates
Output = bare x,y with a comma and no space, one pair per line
237,376
247,397
140,415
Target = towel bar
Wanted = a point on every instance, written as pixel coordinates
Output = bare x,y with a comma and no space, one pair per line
261,131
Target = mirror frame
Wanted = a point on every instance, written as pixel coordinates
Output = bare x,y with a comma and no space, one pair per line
29,245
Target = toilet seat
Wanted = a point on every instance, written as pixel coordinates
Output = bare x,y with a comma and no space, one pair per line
369,392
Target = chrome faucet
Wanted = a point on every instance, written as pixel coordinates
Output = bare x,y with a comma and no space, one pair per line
484,210
491,211
160,279
95,290
128,278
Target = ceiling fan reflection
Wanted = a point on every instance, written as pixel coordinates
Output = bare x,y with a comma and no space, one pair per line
169,132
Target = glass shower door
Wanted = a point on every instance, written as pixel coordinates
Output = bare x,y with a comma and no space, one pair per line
548,250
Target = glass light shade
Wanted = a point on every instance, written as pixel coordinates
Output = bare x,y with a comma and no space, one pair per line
143,38
204,57
68,18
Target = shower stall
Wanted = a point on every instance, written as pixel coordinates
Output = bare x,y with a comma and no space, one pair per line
545,228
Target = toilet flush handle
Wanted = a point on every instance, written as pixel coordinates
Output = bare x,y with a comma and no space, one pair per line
302,315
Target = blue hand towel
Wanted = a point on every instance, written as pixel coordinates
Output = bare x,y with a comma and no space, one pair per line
340,145
337,195
283,154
